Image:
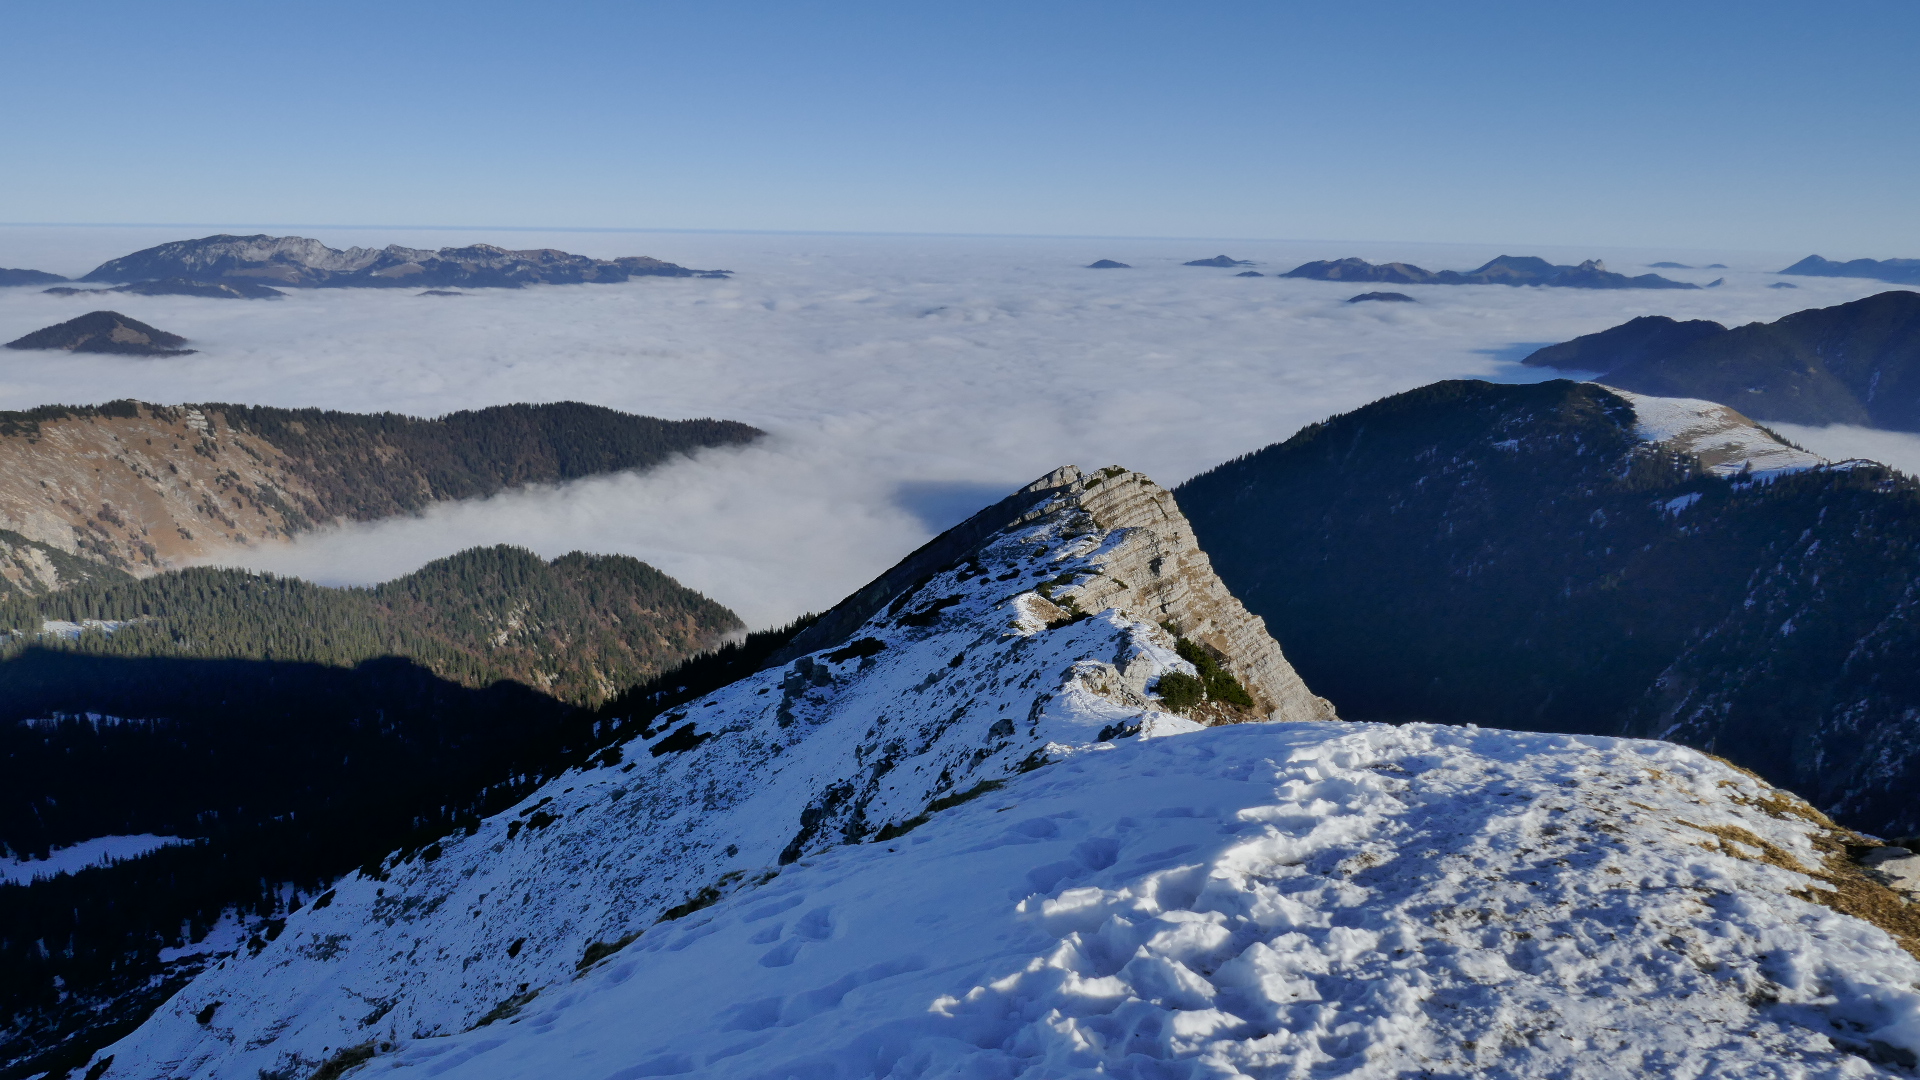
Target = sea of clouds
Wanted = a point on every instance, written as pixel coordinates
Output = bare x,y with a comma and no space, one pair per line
904,381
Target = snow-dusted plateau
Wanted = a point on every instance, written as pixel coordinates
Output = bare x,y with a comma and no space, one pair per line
957,832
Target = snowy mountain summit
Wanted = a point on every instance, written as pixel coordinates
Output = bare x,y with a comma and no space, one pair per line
962,829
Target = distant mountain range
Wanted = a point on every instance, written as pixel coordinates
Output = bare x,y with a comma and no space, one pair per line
1562,557
10,278
144,487
1854,363
1898,271
299,262
1505,270
104,332
1220,261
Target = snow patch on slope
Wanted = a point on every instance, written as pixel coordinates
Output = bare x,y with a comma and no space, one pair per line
1265,900
99,851
1726,441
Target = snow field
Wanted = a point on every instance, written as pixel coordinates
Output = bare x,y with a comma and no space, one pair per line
1729,441
1267,900
99,851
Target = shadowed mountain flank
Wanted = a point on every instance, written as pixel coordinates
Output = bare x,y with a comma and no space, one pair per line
1854,363
14,277
1563,557
104,332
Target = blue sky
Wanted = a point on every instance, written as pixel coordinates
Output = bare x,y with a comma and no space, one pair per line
1754,125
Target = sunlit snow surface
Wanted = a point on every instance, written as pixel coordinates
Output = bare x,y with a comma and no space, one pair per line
1726,442
1264,900
906,380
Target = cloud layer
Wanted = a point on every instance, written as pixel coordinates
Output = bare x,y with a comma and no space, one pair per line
905,379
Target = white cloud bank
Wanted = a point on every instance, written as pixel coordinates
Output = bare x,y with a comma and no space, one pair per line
904,379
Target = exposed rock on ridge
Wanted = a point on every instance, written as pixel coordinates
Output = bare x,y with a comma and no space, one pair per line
31,568
1154,570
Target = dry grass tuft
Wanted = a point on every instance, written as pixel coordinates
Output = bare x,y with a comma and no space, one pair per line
1852,893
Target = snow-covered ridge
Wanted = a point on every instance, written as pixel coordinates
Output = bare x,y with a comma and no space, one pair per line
1265,901
1726,440
1045,636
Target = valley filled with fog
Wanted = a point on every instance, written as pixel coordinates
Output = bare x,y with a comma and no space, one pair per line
904,381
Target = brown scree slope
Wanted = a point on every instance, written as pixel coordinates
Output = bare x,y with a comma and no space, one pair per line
143,488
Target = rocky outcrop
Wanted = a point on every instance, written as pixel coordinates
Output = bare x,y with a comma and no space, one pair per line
104,332
300,262
31,568
145,487
1149,566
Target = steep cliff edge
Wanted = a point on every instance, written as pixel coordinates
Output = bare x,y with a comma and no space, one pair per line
142,487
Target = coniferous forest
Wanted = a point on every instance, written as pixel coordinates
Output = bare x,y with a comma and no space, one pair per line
288,733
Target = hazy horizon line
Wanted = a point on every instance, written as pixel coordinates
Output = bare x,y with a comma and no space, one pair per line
835,232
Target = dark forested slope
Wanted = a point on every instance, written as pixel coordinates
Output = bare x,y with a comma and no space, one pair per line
1854,363
291,732
1515,556
580,627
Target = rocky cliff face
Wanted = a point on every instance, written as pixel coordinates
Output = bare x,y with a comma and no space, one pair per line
31,568
1034,638
142,487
